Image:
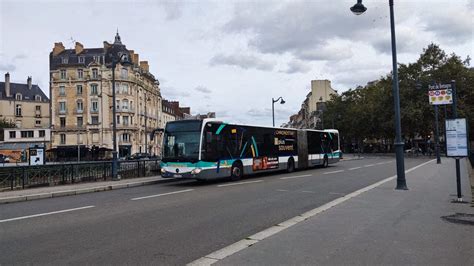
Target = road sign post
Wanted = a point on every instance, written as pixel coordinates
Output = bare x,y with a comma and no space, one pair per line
439,94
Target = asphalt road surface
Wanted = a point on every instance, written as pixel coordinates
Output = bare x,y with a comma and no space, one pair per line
175,222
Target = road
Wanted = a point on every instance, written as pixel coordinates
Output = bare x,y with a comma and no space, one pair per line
175,222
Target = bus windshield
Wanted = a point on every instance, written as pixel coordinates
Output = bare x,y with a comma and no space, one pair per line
181,141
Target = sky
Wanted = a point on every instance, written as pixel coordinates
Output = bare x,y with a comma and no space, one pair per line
233,57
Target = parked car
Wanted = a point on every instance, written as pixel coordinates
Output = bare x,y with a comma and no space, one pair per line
4,159
138,156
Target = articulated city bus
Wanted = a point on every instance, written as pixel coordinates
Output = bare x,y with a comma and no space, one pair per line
210,149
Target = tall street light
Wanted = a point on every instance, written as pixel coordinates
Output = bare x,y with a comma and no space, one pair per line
273,107
146,132
116,58
358,9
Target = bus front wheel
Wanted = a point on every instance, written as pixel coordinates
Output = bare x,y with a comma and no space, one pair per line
236,172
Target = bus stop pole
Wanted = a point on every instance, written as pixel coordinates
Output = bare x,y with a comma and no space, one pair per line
438,158
458,167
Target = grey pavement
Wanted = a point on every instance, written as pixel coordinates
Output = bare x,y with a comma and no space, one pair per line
382,226
10,196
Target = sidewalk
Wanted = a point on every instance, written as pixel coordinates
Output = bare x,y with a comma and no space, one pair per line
75,189
378,227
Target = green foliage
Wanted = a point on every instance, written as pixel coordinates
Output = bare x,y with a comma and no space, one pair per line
368,113
5,124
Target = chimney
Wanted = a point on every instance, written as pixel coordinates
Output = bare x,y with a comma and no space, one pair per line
28,81
7,84
144,65
135,59
79,47
58,48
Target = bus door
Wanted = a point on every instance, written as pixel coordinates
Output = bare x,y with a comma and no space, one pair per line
302,149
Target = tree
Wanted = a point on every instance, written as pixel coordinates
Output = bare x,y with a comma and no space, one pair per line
367,112
5,124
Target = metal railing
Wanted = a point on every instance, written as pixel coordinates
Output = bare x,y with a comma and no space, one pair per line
21,177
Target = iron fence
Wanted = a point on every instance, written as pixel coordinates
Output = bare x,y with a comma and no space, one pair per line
20,177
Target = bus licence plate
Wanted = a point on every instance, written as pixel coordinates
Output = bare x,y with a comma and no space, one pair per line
176,175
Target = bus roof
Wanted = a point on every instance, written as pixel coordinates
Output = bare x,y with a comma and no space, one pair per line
205,120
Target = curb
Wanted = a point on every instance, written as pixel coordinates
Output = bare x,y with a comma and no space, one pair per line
72,192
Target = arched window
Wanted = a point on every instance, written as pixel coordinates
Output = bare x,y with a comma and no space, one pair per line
18,97
38,98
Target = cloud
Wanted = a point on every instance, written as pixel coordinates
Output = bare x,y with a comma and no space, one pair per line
173,93
304,29
203,89
242,61
452,24
173,9
7,67
331,50
297,66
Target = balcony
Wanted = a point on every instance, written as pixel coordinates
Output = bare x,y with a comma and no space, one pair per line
125,110
61,112
94,110
69,129
78,111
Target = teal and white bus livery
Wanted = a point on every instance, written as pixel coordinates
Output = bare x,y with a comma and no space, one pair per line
211,149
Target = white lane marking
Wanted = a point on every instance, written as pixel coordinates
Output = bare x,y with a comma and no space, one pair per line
164,194
354,168
240,183
282,190
380,163
333,172
44,214
253,239
291,177
368,165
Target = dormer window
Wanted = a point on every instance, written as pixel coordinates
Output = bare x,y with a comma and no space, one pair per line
38,98
65,60
18,97
81,59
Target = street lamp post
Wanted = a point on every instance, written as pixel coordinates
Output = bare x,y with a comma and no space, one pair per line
146,118
358,9
123,60
273,107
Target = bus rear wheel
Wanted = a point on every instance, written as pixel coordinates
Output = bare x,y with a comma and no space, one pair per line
236,172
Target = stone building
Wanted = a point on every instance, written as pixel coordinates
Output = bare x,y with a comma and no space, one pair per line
172,111
81,96
26,106
312,109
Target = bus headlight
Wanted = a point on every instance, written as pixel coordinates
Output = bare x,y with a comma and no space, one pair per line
196,171
163,171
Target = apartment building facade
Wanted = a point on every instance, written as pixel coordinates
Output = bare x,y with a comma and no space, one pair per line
82,105
26,106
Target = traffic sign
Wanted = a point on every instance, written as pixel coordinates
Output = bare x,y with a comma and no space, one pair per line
440,94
